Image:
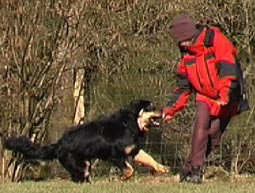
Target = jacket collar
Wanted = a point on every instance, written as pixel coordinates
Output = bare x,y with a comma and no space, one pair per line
198,47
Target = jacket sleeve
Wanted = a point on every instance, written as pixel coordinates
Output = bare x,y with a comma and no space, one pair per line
179,99
226,55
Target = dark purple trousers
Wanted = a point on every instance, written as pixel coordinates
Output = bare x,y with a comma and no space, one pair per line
206,137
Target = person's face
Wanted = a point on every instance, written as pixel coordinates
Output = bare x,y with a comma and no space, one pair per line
185,43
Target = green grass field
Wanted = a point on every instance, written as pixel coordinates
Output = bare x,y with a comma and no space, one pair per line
136,185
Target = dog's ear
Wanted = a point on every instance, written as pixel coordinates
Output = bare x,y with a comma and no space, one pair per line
141,112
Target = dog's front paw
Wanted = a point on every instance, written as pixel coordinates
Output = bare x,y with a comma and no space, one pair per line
127,173
161,169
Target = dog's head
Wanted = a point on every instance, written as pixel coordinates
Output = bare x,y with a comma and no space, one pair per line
146,114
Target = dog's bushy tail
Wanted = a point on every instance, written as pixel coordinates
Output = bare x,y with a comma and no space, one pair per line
31,150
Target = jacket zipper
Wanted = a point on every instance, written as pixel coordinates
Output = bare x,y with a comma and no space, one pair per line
199,80
209,77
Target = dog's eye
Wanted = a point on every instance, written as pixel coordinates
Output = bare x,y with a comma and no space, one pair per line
149,108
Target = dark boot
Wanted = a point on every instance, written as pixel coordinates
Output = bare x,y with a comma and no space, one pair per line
185,176
196,175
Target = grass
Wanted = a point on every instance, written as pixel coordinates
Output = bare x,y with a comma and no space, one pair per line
136,185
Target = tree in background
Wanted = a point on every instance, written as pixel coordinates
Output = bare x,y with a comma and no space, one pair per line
37,43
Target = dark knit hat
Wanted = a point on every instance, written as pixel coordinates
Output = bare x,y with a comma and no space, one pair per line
182,28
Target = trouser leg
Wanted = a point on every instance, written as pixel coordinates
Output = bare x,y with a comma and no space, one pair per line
200,135
199,138
207,134
217,129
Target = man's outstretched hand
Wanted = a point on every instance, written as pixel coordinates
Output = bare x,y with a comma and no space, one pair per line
221,103
166,115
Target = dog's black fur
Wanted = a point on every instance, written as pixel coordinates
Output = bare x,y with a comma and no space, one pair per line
105,139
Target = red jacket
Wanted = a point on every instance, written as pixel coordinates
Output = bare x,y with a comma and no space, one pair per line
210,72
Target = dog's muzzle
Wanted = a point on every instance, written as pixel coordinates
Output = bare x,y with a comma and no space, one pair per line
148,119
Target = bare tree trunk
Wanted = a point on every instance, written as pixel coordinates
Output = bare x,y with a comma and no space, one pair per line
78,95
1,158
37,61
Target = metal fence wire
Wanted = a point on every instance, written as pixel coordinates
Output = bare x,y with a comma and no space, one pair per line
235,154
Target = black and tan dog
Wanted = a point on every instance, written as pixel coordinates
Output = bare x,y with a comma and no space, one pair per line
112,139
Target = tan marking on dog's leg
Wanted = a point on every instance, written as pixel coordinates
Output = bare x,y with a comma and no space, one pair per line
143,158
129,149
127,172
87,171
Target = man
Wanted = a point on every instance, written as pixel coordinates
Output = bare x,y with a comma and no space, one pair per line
209,67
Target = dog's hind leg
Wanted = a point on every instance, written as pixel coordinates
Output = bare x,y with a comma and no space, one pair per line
87,171
74,166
